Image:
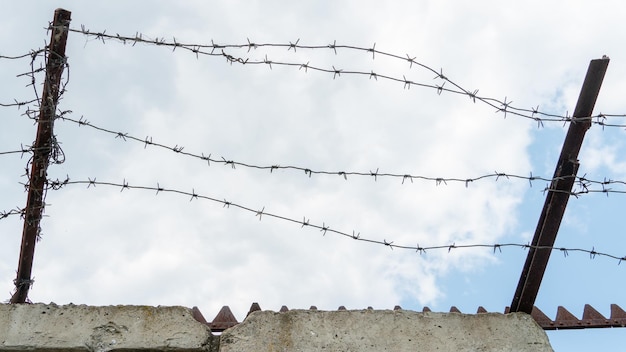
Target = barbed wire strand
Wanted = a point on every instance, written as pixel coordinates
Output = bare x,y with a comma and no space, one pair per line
23,150
33,114
17,211
33,55
18,103
16,152
34,52
305,222
502,106
405,177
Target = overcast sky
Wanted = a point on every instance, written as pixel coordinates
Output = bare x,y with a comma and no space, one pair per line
101,246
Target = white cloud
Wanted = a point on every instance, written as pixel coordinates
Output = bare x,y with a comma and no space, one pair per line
598,155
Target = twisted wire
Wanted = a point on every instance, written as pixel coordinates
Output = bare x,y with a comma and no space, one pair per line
324,228
17,211
22,151
33,55
56,154
501,106
583,182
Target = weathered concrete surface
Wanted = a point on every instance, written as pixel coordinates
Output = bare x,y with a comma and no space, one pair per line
27,327
378,331
86,328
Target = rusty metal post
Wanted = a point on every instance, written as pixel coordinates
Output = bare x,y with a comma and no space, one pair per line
42,148
559,192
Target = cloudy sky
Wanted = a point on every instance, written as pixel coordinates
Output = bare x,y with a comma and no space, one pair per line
103,246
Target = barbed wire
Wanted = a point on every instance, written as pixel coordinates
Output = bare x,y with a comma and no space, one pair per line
502,106
18,103
583,182
17,211
56,154
34,70
33,55
584,190
23,150
324,228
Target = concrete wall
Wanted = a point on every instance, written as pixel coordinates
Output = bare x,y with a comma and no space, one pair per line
24,327
141,328
387,330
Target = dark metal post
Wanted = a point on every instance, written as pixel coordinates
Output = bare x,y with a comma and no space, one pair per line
560,189
42,148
